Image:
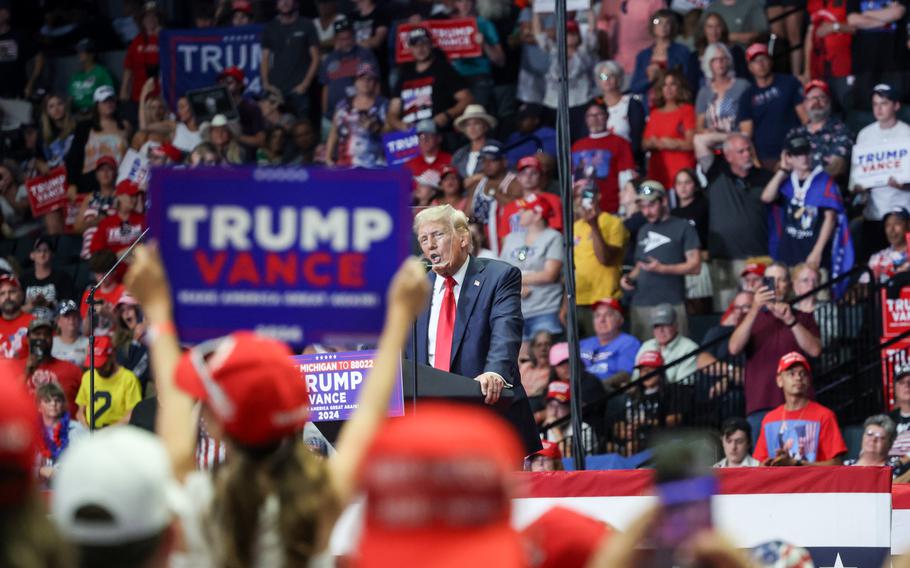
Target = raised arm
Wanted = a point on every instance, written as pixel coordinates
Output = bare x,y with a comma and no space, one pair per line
769,194
408,295
175,424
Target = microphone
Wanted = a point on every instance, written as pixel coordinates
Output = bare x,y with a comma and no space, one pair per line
427,263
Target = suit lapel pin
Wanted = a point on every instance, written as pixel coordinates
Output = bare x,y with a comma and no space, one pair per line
477,282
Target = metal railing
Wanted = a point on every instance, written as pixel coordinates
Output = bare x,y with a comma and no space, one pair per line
846,376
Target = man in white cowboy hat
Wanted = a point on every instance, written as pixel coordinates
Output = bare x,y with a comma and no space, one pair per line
428,88
475,124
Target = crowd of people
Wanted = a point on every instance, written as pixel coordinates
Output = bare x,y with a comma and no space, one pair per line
711,174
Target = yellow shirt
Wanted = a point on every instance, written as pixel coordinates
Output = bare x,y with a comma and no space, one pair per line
115,396
593,280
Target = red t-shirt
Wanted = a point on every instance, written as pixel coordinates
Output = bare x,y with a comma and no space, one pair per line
810,434
608,155
769,341
418,164
111,297
13,337
507,220
831,55
142,53
64,373
664,164
115,235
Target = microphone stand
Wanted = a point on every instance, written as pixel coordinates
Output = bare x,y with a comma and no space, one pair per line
92,302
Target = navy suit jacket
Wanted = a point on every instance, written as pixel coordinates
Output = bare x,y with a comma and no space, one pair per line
487,334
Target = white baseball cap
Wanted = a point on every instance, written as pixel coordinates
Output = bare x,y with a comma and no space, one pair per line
123,471
103,93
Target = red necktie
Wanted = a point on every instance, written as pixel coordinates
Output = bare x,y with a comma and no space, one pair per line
445,327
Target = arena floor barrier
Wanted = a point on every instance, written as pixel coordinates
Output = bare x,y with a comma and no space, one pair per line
842,515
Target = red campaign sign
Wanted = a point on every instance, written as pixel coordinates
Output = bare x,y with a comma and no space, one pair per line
457,38
895,321
47,193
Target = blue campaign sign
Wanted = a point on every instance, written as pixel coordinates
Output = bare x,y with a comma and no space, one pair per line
301,254
192,59
334,382
400,146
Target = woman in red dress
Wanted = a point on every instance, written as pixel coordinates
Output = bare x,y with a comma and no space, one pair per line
671,126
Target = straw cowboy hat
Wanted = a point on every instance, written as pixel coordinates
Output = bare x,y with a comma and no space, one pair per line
474,111
219,120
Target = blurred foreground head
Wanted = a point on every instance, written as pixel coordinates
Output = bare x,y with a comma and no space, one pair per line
27,537
249,384
116,499
438,491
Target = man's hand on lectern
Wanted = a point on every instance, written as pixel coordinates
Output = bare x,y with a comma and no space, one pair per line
491,386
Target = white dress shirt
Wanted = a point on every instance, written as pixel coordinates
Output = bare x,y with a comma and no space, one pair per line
439,289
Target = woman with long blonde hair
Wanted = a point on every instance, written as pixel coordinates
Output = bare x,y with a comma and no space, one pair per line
273,503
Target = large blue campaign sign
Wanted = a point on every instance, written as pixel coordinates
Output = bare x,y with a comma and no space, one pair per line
302,255
192,59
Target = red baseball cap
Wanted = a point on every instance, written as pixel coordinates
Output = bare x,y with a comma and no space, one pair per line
611,303
529,162
242,6
756,268
10,279
790,359
446,170
127,187
550,450
234,72
104,348
251,385
755,50
106,161
559,390
418,477
817,84
18,440
534,203
650,359
563,538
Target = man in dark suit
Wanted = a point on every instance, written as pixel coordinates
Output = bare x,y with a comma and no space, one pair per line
473,324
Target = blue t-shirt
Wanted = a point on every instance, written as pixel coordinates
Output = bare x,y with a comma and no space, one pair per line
470,66
773,113
614,357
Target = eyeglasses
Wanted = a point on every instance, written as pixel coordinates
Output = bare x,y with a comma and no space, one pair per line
604,76
874,434
743,308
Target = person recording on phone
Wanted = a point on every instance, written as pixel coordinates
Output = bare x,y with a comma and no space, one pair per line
600,244
667,250
770,329
473,325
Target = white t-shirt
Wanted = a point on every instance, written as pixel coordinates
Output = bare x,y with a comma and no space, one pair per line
185,139
74,352
886,198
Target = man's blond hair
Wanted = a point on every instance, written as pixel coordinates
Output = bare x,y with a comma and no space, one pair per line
455,220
